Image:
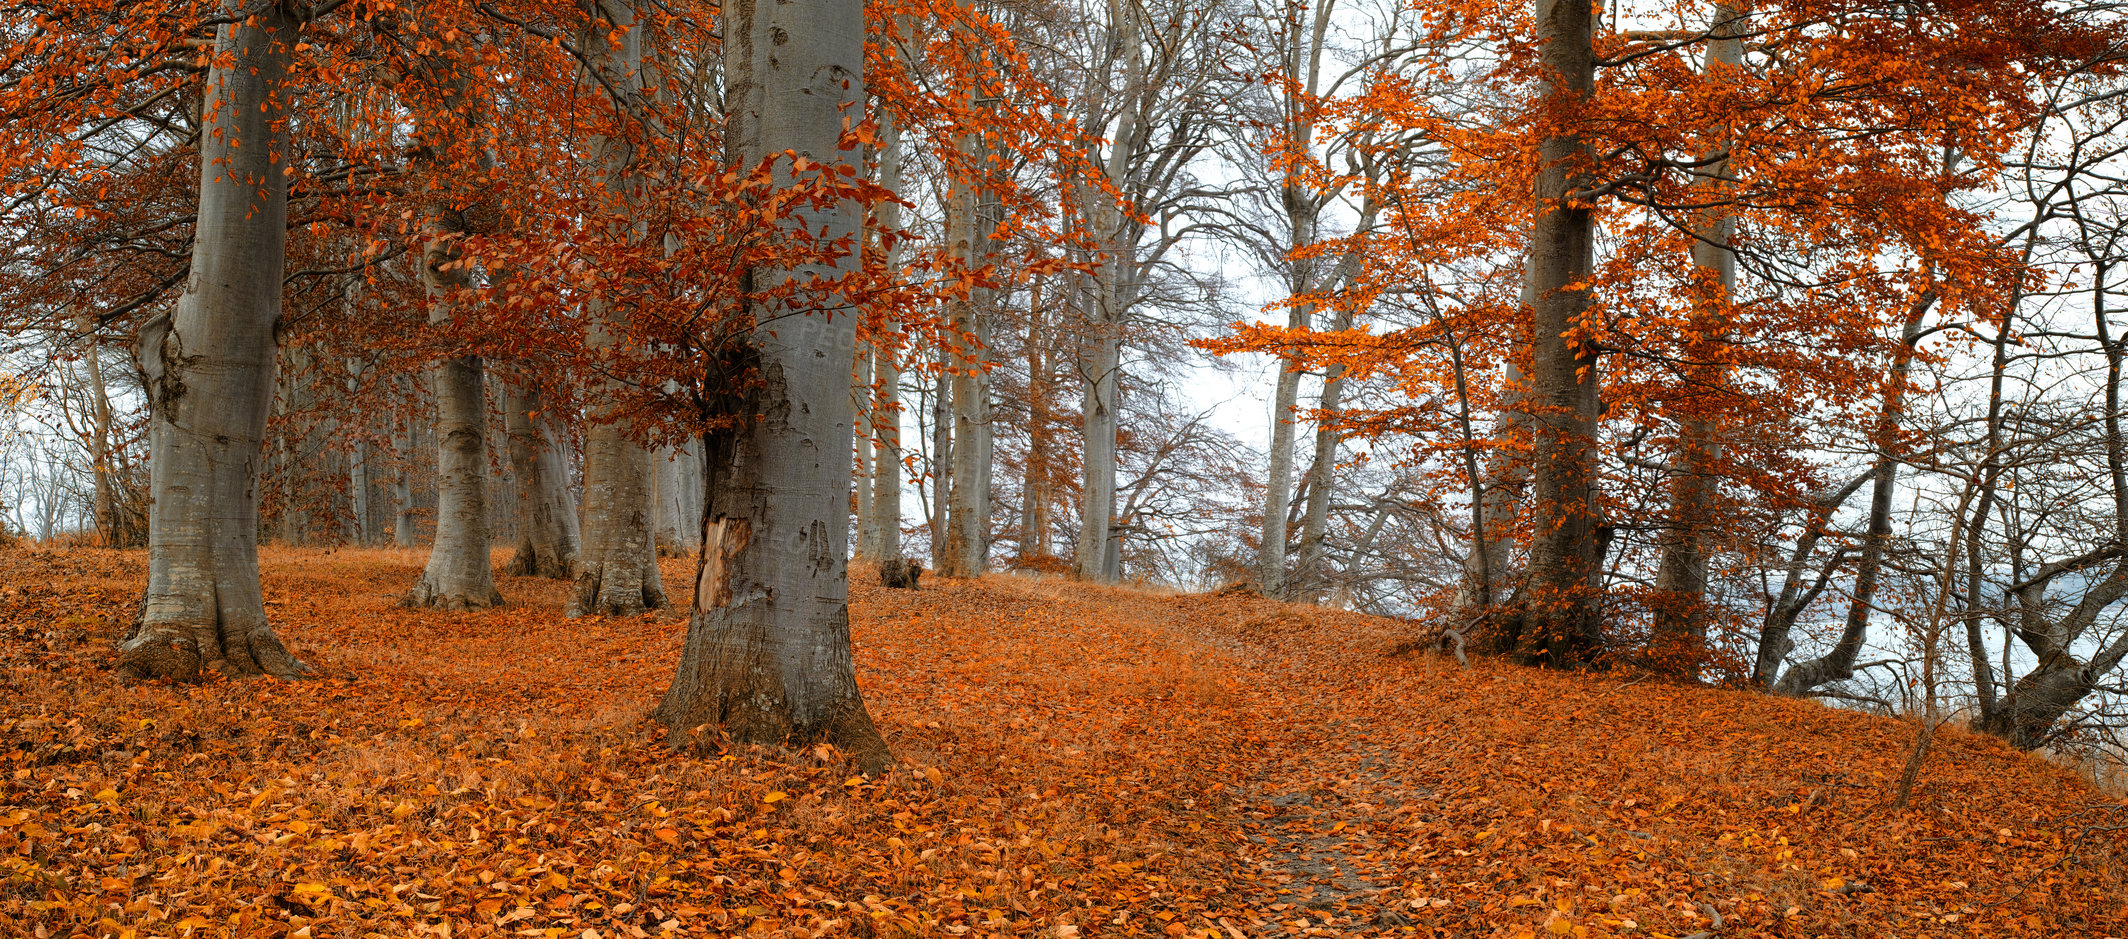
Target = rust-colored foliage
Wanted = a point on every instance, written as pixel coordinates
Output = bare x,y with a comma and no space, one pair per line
1075,761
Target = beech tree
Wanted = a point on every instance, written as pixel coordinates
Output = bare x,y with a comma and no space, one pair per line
548,535
459,574
617,573
767,654
210,368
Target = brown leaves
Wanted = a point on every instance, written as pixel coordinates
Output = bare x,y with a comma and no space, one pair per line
1078,761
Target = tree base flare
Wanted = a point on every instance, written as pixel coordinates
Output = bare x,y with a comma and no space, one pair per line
529,561
616,590
187,653
426,596
851,733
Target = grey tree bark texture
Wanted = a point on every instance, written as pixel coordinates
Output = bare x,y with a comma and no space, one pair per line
210,376
861,423
1278,481
1303,53
1310,571
402,485
1103,300
767,655
1560,626
460,574
1679,643
968,237
358,468
883,530
548,537
1034,488
676,475
617,572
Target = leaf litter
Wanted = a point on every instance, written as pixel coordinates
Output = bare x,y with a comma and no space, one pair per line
1074,761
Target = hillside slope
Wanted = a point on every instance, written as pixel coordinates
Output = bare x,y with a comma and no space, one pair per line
1076,761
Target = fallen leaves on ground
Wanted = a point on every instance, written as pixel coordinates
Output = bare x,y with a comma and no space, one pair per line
1075,761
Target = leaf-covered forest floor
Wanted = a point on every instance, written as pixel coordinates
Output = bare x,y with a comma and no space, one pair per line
1075,761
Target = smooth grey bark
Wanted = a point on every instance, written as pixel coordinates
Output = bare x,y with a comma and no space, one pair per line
460,573
1679,641
1838,663
1103,297
767,654
1278,477
968,237
1302,54
403,450
358,467
678,480
882,530
941,457
210,377
403,484
1034,488
861,422
1560,627
1308,573
617,571
548,538
1100,365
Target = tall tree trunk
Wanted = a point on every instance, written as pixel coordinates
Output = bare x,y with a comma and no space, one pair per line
1561,628
678,478
460,573
1301,55
118,527
617,572
403,450
403,484
884,528
1308,570
358,467
1679,644
861,420
1278,480
209,370
767,654
547,534
2030,714
1102,364
1106,305
941,458
968,237
1034,488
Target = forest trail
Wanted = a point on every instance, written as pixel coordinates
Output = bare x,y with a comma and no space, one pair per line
1076,761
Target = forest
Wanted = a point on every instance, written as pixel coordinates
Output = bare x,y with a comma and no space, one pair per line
1317,433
